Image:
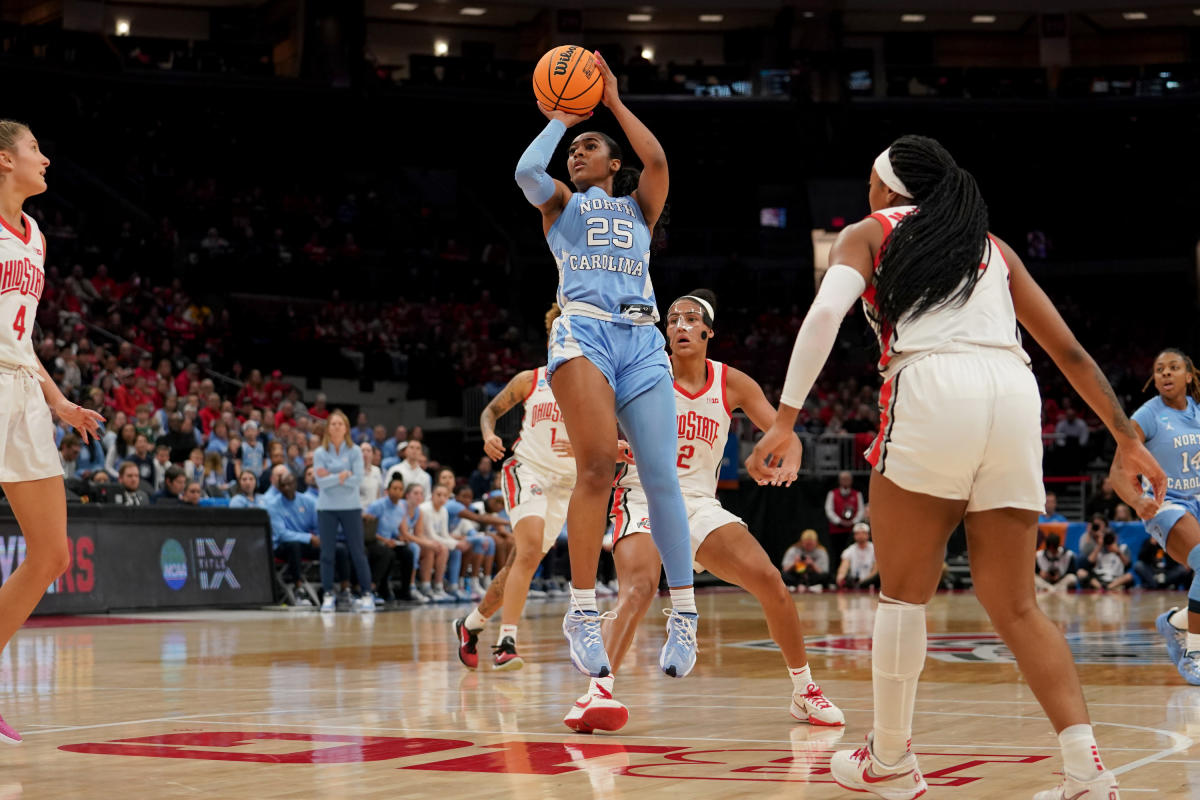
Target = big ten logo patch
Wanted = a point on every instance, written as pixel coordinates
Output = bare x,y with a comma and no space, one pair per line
806,761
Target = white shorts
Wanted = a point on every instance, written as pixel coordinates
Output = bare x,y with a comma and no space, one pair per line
630,515
27,451
532,491
963,426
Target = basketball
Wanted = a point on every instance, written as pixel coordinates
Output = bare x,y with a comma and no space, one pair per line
568,79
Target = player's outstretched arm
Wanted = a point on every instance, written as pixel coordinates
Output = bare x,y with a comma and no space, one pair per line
549,195
513,394
1039,316
744,392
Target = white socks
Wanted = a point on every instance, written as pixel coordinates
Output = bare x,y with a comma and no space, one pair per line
684,600
801,679
583,599
475,621
1081,758
1180,619
507,630
1193,643
897,658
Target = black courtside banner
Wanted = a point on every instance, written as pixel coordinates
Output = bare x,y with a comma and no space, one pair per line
147,558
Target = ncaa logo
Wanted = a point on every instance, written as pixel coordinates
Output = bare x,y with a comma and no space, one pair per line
173,561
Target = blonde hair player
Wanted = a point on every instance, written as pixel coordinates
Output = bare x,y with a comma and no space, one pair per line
706,394
30,472
960,436
537,482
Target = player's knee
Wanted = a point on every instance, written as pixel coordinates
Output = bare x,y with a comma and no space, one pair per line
640,590
52,560
594,475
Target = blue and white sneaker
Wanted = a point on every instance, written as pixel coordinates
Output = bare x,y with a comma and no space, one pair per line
1175,638
1189,667
678,654
582,629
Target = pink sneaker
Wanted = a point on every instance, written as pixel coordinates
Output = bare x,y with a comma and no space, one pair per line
8,734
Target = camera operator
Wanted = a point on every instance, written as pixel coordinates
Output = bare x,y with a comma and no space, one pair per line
1053,566
1157,570
1104,560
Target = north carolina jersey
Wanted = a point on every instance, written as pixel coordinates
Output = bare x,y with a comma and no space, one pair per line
602,247
1173,438
541,428
703,427
22,279
985,319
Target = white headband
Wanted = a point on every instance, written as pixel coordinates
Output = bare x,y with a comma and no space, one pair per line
883,168
702,303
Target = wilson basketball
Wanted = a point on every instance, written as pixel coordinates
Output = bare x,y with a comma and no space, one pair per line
568,79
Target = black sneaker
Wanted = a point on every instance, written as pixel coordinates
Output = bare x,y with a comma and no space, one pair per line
505,655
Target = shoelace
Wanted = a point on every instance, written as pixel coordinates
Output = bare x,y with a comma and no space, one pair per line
860,754
685,626
815,696
591,625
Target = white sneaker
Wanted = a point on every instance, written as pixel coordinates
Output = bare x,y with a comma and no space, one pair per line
596,711
602,590
364,604
1102,787
417,596
486,582
812,707
535,594
859,771
437,595
816,588
475,588
328,604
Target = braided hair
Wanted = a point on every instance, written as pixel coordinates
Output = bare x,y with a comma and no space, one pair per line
1194,386
932,256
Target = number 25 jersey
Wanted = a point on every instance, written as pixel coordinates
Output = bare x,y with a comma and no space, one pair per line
22,279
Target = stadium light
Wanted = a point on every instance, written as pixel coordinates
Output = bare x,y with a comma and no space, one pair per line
648,52
1133,16
404,6
712,17
639,17
912,17
983,19
471,11
441,47
122,27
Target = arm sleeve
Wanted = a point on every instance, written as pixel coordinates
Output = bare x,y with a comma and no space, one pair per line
841,287
531,169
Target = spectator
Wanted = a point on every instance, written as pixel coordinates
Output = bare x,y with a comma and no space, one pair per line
210,413
274,477
91,458
481,478
806,563
68,454
319,410
1105,560
130,493
180,441
418,435
162,461
194,466
1051,514
294,535
1157,570
437,527
310,482
142,458
371,488
252,448
213,480
858,569
121,449
338,467
394,446
389,549
192,493
276,458
410,468
1103,502
174,482
1071,433
433,553
1054,566
1122,513
379,438
218,440
844,508
246,496
361,432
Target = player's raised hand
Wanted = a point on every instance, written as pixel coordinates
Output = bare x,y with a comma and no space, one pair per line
609,98
562,116
1133,459
493,446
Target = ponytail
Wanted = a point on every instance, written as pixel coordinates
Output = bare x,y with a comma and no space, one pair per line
625,182
932,256
1194,386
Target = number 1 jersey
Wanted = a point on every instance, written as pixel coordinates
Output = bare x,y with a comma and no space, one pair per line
22,279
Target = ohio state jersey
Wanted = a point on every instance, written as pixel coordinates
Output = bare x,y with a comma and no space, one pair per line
22,279
542,428
985,319
702,427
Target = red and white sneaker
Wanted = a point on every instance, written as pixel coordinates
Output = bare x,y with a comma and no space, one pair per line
859,771
597,710
1102,787
8,734
504,655
813,708
468,640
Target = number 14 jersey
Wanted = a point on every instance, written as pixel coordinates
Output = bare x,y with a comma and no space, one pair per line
22,279
1173,438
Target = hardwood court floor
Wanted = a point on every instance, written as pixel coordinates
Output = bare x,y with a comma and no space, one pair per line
272,704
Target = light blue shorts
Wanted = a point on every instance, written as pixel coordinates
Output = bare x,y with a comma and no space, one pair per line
632,358
1169,513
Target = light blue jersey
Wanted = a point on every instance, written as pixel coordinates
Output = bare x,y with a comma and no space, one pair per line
1173,438
602,247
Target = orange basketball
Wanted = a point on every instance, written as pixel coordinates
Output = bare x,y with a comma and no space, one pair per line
568,79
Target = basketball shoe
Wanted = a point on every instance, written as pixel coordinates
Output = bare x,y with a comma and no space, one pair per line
1102,787
812,707
678,654
1176,639
504,655
859,771
8,734
597,710
1189,667
468,640
582,629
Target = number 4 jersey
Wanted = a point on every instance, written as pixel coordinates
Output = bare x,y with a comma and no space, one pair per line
602,247
22,279
1173,438
703,426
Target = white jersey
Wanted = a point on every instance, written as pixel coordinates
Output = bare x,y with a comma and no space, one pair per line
541,429
22,279
986,319
703,428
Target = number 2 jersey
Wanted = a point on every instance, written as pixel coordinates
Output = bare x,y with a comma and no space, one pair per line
541,428
22,279
1173,438
602,247
703,427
